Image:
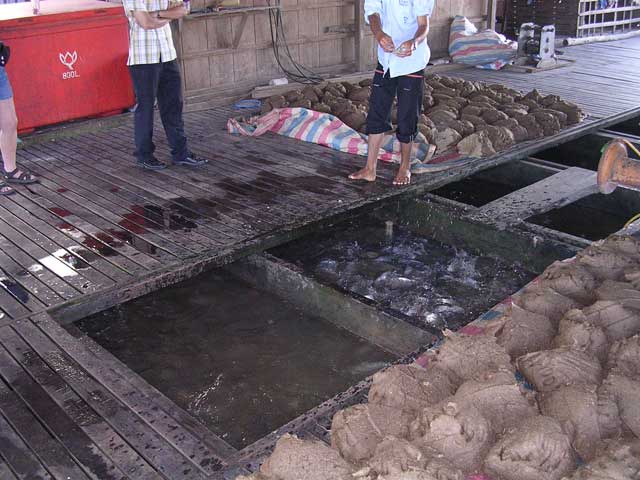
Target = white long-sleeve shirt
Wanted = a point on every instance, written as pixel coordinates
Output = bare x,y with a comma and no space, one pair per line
399,19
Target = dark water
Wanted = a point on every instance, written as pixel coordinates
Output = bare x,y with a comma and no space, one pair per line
581,221
437,284
475,192
238,359
631,127
583,152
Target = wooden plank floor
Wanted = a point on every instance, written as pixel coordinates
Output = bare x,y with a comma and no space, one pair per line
96,231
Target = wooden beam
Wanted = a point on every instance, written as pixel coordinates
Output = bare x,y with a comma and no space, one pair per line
238,36
553,192
359,316
448,221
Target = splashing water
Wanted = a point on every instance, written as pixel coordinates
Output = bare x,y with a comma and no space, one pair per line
435,283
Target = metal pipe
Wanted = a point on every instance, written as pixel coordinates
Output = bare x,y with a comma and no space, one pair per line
569,42
617,169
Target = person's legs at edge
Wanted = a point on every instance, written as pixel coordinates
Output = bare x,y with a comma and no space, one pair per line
410,89
9,137
170,102
373,148
383,91
145,84
404,171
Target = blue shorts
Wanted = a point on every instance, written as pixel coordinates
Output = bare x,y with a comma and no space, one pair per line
5,87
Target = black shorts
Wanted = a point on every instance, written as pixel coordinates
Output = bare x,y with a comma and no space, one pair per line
409,89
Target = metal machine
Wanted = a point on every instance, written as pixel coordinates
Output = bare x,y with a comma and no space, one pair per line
536,46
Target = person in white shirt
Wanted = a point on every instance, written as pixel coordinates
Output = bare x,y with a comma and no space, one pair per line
400,28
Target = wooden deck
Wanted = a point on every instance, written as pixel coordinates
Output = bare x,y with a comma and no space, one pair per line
96,232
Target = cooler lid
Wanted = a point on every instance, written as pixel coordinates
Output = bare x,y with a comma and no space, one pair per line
15,14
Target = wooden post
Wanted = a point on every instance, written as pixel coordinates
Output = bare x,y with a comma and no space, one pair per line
360,44
492,7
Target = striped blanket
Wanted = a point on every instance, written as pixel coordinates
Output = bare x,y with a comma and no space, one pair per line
328,130
486,49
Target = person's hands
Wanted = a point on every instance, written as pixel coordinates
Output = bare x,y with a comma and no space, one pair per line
385,42
406,48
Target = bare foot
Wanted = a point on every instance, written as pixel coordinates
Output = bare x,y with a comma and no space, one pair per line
364,174
403,177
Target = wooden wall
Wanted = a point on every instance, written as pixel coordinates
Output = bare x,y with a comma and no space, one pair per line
225,55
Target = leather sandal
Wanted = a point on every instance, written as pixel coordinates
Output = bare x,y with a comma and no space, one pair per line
19,176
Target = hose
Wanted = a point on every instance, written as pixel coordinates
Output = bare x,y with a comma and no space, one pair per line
632,219
631,146
247,104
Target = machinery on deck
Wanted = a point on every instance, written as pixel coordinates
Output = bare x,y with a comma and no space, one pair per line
536,46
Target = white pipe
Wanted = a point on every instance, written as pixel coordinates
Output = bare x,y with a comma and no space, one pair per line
600,38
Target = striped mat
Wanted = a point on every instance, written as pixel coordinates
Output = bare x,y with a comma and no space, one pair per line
329,131
485,49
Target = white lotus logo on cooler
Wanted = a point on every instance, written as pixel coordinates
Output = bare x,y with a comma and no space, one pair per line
69,59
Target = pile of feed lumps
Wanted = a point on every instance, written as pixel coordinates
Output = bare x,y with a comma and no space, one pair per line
471,117
548,390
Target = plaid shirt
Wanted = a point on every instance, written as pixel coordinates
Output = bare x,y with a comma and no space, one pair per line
149,46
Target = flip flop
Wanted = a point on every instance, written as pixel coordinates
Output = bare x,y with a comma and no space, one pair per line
5,189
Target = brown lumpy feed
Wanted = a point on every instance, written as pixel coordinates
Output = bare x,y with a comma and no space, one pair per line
452,104
294,459
605,262
410,387
548,370
571,280
617,321
545,301
625,391
537,450
624,293
466,357
499,399
524,332
577,333
586,416
617,459
356,431
460,434
624,357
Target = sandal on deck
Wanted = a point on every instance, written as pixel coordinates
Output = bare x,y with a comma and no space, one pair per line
5,189
20,176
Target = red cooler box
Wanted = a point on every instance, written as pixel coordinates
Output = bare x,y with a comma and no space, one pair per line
68,62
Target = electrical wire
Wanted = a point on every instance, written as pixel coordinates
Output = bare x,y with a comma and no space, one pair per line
282,53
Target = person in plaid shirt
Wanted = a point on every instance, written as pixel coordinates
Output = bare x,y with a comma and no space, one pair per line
156,74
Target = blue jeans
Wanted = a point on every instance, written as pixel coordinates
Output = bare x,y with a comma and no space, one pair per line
161,81
5,86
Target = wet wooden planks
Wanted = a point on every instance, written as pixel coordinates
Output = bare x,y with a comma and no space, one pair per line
96,227
66,412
